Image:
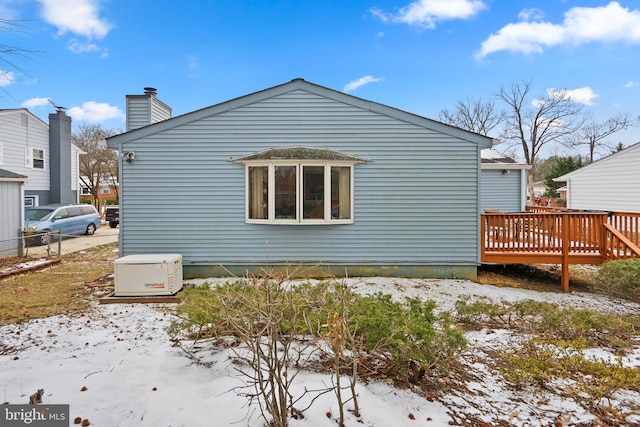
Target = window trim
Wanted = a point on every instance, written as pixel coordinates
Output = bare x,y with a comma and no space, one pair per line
30,158
299,164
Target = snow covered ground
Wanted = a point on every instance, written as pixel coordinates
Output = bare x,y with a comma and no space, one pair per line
116,366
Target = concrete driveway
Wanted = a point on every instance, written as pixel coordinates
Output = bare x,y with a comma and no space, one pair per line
102,236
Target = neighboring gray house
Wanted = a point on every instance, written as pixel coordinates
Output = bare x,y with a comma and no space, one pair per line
38,165
504,182
609,184
299,174
43,153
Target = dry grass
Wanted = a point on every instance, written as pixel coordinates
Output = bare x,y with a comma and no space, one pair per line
63,288
538,277
58,289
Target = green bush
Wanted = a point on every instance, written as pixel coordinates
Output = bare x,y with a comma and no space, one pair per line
620,278
411,333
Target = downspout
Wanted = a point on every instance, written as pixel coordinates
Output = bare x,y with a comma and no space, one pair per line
120,200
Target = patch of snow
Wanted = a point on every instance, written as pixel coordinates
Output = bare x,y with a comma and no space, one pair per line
135,376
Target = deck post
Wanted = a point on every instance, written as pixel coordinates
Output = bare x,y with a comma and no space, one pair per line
483,236
565,252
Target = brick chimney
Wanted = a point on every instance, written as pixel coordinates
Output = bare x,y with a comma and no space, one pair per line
146,109
60,189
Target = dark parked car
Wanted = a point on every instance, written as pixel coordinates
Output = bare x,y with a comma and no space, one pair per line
112,215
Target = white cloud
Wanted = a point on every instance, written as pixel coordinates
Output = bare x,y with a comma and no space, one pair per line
36,102
6,78
350,87
92,111
584,95
80,17
532,14
192,62
581,25
631,83
76,46
426,13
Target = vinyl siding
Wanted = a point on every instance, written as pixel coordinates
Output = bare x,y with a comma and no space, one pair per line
159,111
143,110
20,129
138,114
501,191
416,198
610,184
10,200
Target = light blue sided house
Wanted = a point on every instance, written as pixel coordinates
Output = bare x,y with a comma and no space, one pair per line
300,175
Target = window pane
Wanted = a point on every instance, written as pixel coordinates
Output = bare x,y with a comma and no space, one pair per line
38,159
340,192
285,197
313,195
258,192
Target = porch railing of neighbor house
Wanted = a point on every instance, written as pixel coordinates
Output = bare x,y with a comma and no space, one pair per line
553,237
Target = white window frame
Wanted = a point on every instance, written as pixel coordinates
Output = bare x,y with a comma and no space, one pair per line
30,201
105,189
299,164
30,158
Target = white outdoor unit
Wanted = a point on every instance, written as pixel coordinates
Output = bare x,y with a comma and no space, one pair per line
148,274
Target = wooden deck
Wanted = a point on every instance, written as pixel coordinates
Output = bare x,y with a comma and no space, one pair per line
551,237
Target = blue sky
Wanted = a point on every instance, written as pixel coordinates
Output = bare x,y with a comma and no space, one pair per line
421,56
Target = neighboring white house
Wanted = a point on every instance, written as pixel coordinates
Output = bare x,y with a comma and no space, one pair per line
539,188
609,184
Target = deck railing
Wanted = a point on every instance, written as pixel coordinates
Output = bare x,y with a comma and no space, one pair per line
618,245
554,237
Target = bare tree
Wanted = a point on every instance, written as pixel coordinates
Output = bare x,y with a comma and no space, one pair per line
535,123
10,55
99,165
593,134
476,116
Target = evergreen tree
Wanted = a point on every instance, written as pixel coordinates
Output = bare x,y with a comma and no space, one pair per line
562,165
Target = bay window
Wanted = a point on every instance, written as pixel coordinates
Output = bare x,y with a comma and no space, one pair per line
301,192
299,185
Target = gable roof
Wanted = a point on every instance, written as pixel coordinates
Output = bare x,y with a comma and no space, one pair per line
6,175
293,85
491,159
598,162
9,111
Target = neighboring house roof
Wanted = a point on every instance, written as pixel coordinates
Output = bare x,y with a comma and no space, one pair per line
299,84
10,176
23,110
491,159
597,163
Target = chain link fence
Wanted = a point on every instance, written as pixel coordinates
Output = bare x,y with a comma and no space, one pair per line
47,244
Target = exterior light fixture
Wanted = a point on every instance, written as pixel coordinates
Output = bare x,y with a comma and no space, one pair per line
129,156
